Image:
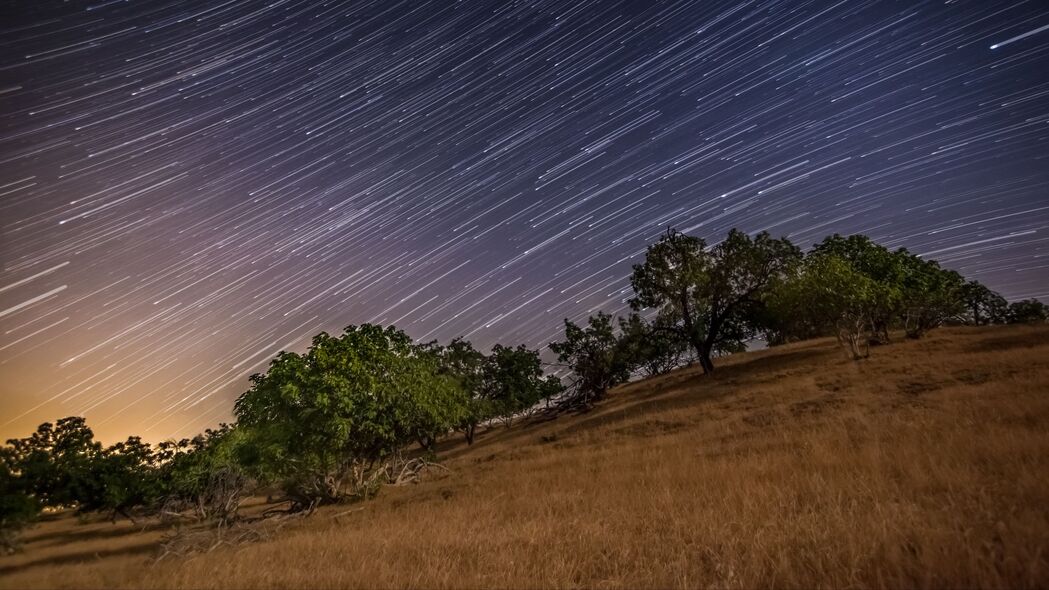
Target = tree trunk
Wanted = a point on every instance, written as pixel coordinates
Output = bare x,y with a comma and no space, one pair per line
469,432
703,352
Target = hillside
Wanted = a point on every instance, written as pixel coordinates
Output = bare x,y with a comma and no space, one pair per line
926,465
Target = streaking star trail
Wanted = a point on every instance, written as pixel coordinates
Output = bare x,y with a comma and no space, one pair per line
187,188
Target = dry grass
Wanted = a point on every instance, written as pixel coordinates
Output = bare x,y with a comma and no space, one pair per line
927,465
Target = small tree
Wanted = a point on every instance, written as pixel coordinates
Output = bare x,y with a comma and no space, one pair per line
833,293
594,356
982,305
652,348
930,294
1028,311
877,263
336,415
17,508
512,381
712,299
205,473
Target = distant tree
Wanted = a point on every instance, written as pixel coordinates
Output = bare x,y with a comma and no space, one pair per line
327,423
124,478
712,299
983,306
877,263
513,381
63,466
57,462
1028,311
465,364
830,293
594,356
929,294
18,509
205,473
649,347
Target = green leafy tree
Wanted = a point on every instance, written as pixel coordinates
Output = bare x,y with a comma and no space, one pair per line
930,295
205,473
649,347
18,509
877,263
982,305
1028,311
594,356
712,298
334,416
830,294
57,463
513,381
465,364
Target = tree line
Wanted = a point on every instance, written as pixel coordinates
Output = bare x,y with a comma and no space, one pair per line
335,422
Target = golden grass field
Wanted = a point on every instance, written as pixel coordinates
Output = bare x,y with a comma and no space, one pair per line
925,466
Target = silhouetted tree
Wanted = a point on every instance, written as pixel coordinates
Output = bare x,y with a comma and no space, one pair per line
18,509
594,356
513,381
649,347
983,306
930,294
1028,311
712,298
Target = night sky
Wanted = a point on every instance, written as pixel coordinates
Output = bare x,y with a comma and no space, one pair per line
187,188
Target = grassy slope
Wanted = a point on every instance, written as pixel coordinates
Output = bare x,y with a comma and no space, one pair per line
927,465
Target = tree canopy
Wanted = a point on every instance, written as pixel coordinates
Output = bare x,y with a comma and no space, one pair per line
713,297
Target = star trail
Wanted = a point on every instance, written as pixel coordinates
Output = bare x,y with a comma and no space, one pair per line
187,188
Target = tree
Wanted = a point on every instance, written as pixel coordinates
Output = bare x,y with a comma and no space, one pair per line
336,415
62,465
124,478
1028,311
877,263
711,298
57,463
929,294
18,509
983,306
512,381
649,347
594,356
205,473
830,294
465,364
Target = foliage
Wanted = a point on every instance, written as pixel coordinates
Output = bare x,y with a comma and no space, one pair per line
982,305
61,465
929,294
56,462
831,294
594,355
713,298
877,263
18,509
331,417
513,381
652,348
204,474
465,364
1028,311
